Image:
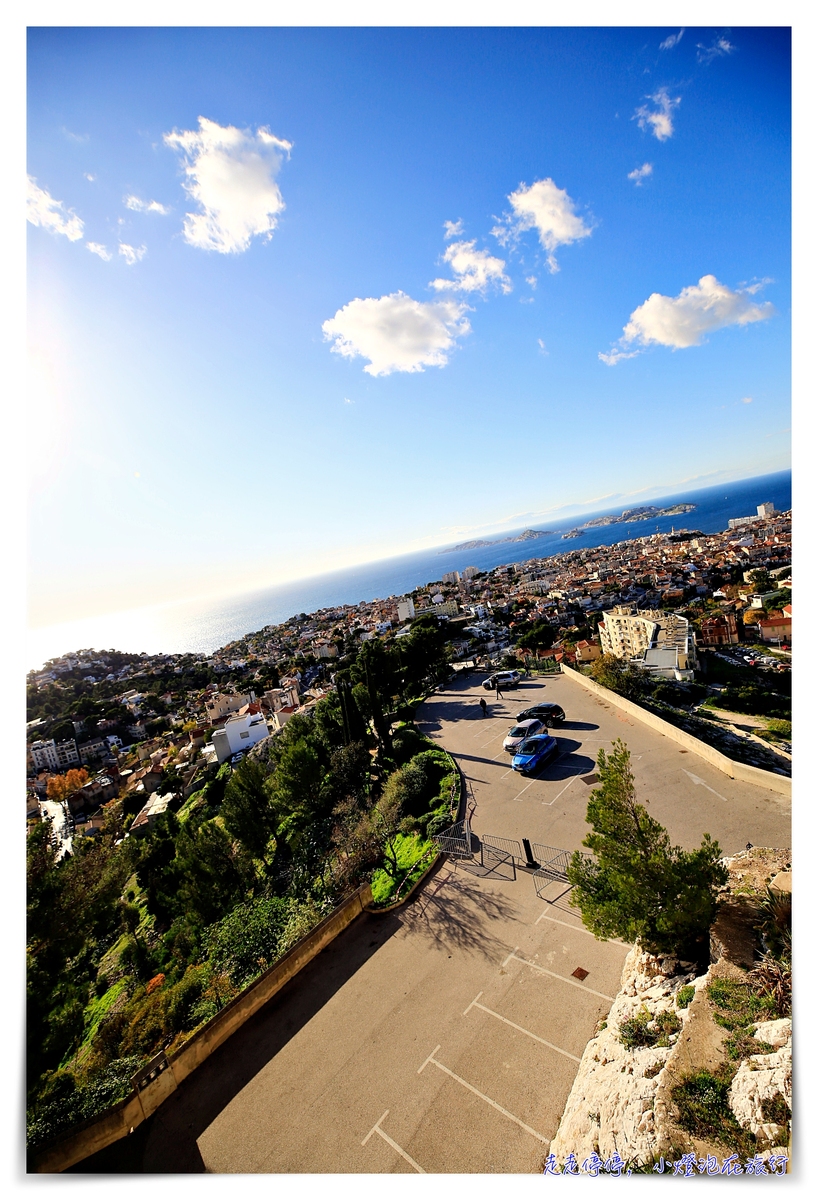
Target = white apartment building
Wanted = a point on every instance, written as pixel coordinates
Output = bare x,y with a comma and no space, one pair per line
661,643
406,609
239,733
451,577
54,756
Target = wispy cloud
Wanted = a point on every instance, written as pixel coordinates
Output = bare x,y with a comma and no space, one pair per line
144,206
132,254
100,250
231,174
685,320
474,270
640,173
747,400
531,280
43,210
658,120
549,210
453,228
718,48
397,333
672,41
90,178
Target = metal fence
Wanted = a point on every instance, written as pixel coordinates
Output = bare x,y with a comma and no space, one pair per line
456,841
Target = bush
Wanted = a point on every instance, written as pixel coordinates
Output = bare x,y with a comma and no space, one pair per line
685,995
403,853
66,1100
704,1110
646,1030
245,942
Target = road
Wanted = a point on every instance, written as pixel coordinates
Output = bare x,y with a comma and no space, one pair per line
444,1037
51,811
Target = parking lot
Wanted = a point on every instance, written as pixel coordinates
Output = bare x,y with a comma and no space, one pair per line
681,790
444,1037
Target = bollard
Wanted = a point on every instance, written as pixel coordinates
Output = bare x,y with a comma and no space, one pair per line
530,861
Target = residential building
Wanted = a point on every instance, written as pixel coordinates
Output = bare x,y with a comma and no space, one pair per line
240,732
626,631
720,629
148,816
587,651
451,577
775,629
406,609
221,705
54,756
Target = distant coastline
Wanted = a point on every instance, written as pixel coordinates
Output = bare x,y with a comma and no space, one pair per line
198,626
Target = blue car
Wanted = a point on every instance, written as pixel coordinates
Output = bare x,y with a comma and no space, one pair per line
534,752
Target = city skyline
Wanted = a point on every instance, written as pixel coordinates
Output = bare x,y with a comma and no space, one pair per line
383,289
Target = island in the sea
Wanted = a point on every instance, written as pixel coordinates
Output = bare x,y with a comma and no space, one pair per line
645,513
527,535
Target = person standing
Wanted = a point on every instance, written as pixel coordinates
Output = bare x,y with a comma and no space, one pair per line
484,706
499,693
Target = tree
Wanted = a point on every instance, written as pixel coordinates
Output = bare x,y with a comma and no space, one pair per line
541,637
60,787
246,809
639,886
619,676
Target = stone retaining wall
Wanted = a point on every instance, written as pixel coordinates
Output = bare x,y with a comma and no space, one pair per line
780,784
123,1118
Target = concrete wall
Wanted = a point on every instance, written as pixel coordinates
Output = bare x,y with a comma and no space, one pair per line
767,779
123,1118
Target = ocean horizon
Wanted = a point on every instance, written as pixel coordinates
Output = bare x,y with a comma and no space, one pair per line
201,626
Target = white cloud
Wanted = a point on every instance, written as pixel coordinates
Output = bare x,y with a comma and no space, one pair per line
100,251
542,347
90,178
474,270
132,254
549,210
672,41
640,173
658,121
747,400
453,228
144,206
686,319
397,333
43,210
231,174
717,49
531,280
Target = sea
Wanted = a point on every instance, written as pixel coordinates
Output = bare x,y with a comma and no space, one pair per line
202,626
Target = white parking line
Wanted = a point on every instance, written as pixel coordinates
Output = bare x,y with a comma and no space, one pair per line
527,1032
565,789
579,929
376,1128
525,789
546,1141
562,978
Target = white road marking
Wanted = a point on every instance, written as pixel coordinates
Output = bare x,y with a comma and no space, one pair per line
429,1059
565,789
463,1083
525,789
562,978
700,783
504,964
376,1128
527,1032
579,929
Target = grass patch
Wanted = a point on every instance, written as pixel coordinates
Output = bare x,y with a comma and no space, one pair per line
406,858
685,995
704,1110
738,1008
775,1110
647,1030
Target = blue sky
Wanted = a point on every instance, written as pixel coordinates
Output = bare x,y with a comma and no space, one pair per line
260,352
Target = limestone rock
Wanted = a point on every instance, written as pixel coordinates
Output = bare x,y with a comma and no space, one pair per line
774,1033
762,1077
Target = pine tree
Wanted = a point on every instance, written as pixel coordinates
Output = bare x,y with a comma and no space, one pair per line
638,886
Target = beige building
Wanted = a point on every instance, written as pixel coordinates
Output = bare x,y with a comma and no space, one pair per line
626,632
661,643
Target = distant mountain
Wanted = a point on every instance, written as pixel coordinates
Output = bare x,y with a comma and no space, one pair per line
528,535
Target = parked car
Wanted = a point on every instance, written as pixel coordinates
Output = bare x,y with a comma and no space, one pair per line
519,733
502,679
549,714
533,752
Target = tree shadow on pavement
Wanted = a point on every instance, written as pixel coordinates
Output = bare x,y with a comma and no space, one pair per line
456,913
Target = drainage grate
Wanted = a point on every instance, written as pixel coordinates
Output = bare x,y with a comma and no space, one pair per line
589,779
580,973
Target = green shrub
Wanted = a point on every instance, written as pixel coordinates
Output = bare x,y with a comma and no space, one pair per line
685,995
245,942
704,1110
647,1030
403,853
